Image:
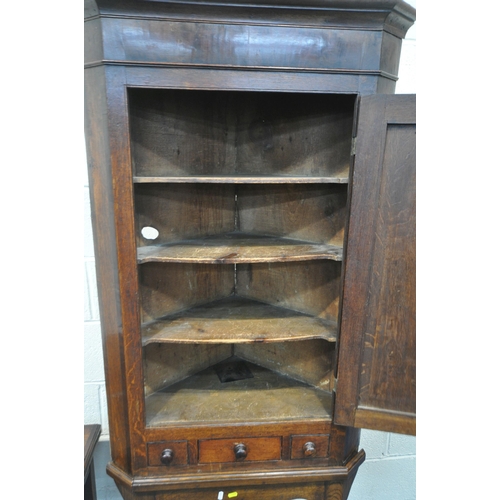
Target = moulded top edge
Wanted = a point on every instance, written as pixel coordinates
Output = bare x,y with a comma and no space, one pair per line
314,4
95,7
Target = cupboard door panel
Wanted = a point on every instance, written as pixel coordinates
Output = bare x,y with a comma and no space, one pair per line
376,369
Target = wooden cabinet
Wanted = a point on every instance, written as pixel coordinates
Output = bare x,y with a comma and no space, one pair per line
253,206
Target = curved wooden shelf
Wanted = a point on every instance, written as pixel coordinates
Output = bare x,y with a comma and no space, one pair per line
244,179
266,396
238,248
237,320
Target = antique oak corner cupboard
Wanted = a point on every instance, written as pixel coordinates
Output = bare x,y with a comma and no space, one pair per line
252,180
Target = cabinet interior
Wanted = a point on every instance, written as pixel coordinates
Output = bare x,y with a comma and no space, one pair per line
240,203
192,133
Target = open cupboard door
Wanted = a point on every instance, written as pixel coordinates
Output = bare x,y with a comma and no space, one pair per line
376,386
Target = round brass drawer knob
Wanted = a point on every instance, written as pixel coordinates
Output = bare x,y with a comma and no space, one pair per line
240,451
167,456
309,449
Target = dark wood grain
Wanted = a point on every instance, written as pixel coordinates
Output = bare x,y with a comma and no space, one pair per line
394,15
377,350
267,396
221,430
391,353
167,288
226,127
289,294
340,178
287,358
212,133
220,45
255,449
327,480
104,232
237,248
91,435
311,287
125,290
236,320
308,213
213,42
183,211
166,364
342,81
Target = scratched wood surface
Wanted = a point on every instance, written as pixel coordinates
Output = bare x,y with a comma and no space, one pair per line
159,156
308,212
288,359
183,211
313,213
234,248
235,320
204,133
268,396
338,178
390,348
311,287
377,383
167,364
169,288
295,295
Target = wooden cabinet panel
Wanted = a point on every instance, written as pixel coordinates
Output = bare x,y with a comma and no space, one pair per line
376,374
315,491
240,449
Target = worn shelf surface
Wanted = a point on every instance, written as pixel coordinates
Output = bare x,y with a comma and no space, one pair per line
343,178
267,396
237,320
237,248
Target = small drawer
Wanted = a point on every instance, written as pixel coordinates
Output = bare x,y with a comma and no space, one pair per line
240,450
313,446
167,453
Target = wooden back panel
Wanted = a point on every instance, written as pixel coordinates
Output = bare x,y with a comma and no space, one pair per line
311,287
185,133
309,212
183,211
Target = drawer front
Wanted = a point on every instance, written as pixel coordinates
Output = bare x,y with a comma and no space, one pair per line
173,453
313,446
299,491
239,450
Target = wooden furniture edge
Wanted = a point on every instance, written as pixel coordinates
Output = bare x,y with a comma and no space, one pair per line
94,431
400,7
224,479
385,421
